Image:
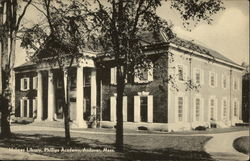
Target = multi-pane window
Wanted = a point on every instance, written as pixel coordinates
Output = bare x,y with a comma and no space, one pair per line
235,108
212,79
197,109
235,84
212,110
144,75
224,82
25,84
224,109
198,76
180,73
180,108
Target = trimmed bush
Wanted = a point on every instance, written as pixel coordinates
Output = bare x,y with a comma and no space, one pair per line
200,128
142,128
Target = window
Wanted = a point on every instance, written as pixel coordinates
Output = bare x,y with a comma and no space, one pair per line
34,83
25,84
212,109
197,76
34,104
235,109
59,83
113,75
235,84
224,81
143,75
212,79
24,104
180,108
180,73
197,109
224,109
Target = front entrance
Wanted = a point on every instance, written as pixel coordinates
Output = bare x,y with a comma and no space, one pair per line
144,109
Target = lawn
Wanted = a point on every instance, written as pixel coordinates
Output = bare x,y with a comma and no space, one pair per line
146,147
241,144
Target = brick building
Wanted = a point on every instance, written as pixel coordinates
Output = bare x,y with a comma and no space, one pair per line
147,101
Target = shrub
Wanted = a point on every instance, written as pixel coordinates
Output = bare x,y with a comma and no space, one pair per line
142,128
200,128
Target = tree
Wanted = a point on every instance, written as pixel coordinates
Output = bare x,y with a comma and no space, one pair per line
58,43
10,22
118,27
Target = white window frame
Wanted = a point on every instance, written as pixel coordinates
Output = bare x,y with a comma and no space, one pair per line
137,106
22,84
198,96
22,107
113,72
215,108
201,72
184,110
224,99
34,105
224,77
215,79
236,102
150,74
35,81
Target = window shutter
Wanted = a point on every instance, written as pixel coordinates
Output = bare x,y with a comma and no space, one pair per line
216,108
124,107
21,87
150,108
202,110
28,107
137,109
21,108
34,108
113,108
113,75
28,83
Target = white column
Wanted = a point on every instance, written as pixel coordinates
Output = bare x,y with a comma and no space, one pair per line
137,107
93,91
150,108
51,96
113,108
39,112
124,107
79,99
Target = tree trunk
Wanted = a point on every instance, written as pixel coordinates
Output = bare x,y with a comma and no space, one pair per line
66,110
5,112
119,111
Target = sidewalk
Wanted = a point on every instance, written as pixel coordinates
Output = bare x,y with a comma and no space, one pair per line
220,147
11,154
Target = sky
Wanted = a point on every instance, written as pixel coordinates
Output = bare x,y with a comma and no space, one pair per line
228,34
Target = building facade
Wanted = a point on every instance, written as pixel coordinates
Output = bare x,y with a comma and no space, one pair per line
147,101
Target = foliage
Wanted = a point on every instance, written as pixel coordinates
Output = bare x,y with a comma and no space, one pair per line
119,27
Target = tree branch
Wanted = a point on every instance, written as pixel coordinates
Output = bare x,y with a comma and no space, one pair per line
23,13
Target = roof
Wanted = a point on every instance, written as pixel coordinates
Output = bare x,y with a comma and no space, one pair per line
149,39
26,65
201,49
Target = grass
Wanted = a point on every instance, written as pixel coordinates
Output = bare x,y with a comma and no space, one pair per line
241,144
137,147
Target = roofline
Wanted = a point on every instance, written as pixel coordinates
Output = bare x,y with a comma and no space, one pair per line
206,56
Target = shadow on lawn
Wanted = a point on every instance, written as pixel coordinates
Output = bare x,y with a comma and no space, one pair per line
41,141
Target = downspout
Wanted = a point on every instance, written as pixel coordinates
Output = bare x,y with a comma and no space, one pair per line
230,95
190,92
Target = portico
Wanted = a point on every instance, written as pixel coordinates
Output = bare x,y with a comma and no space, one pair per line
81,96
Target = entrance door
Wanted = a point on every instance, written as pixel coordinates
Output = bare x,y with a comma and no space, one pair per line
144,109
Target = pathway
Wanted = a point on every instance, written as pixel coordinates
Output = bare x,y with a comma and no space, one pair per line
220,147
